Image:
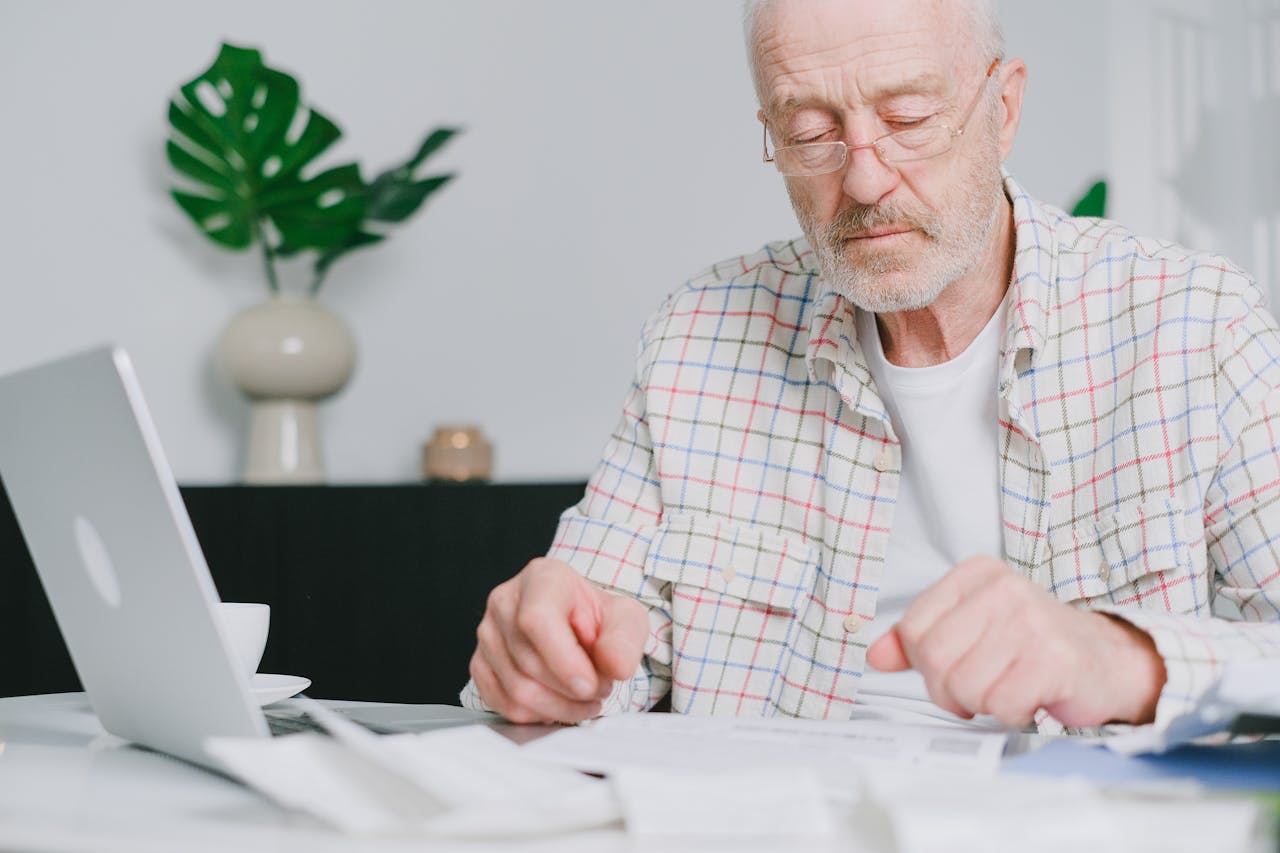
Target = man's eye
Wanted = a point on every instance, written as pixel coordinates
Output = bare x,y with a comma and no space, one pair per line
810,138
908,122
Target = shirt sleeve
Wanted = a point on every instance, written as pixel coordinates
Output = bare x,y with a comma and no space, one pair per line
1242,523
606,538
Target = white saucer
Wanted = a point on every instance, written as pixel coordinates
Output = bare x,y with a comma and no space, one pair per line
268,688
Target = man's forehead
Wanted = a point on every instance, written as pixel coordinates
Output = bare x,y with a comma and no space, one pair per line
854,79
879,48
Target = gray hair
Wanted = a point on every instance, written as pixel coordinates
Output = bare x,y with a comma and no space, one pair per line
984,24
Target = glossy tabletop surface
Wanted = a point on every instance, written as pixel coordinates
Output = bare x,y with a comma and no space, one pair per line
67,785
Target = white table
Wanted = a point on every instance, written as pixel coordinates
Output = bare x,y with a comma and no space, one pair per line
67,785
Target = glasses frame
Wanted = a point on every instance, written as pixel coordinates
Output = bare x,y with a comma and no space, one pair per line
955,133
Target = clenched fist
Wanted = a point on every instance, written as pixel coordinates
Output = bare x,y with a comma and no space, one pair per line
551,645
988,641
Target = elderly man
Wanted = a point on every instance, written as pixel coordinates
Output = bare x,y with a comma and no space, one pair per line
955,452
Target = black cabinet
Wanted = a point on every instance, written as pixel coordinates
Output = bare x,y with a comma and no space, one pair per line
375,591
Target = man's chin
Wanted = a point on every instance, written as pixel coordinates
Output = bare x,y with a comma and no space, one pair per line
889,255
887,291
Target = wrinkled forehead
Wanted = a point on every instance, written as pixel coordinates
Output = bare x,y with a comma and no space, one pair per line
863,48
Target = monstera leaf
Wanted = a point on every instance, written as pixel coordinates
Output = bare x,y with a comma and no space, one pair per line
392,197
242,138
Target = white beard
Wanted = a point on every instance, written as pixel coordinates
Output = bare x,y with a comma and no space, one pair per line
907,280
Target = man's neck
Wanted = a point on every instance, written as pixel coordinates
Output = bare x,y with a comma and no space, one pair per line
939,332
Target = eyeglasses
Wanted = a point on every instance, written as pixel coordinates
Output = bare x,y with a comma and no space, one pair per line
900,146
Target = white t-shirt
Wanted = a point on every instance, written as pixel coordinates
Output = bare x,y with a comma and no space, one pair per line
948,505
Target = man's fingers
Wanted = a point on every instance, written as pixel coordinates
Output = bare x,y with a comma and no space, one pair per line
554,652
947,595
624,627
988,641
519,698
956,635
541,613
529,661
585,620
529,640
974,675
552,643
1017,694
887,655
960,633
487,683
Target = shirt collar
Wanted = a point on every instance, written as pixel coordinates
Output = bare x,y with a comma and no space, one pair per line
831,328
1035,273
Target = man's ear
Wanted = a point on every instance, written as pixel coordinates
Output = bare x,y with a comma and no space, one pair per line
1013,83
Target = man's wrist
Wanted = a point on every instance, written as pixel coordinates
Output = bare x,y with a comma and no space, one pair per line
1140,676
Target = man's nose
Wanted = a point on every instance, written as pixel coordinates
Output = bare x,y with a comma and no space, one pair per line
867,178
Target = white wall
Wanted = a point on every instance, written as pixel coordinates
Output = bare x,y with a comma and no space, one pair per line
1063,143
1198,152
611,151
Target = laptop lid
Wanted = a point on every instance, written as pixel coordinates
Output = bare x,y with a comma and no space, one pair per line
113,545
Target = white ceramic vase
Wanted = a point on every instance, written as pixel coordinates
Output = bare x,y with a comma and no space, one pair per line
286,354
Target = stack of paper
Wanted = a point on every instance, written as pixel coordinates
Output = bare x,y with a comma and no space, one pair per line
1012,814
835,749
473,782
465,781
693,782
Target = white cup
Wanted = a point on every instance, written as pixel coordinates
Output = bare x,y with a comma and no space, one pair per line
246,626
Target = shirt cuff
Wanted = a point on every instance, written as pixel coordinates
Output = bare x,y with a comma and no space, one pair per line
630,695
1191,662
470,698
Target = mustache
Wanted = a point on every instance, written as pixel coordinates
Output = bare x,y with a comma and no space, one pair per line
859,218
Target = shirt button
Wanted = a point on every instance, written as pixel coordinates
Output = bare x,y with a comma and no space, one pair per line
1104,572
852,624
884,459
729,574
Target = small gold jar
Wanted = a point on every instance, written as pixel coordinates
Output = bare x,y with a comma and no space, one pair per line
458,453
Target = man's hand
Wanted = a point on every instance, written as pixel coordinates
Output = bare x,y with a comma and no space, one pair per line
551,645
988,641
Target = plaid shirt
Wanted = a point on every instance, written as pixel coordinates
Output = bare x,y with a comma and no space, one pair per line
748,495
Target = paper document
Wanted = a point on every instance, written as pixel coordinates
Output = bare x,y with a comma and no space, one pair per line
678,782
1016,814
456,782
768,803
836,749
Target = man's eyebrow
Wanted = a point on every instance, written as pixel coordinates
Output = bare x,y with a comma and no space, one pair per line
781,106
926,83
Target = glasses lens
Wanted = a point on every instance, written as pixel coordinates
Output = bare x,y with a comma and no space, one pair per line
816,158
917,143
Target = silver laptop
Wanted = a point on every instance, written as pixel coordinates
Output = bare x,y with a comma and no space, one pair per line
113,545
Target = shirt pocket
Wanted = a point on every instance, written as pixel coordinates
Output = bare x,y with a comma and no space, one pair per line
735,592
1138,557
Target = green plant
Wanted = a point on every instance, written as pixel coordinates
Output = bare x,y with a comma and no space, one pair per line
241,138
1093,202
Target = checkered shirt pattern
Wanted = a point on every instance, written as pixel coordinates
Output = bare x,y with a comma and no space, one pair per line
748,494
